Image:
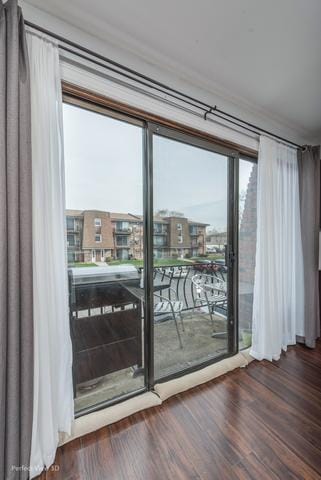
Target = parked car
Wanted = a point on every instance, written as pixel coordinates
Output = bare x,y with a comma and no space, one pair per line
208,266
211,249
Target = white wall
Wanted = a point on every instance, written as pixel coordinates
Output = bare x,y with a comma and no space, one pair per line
144,66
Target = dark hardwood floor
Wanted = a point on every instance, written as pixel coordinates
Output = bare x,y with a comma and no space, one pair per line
262,422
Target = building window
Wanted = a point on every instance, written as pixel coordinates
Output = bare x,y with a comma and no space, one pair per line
122,226
159,228
70,240
179,226
121,241
70,224
180,238
71,257
97,222
159,240
158,253
97,238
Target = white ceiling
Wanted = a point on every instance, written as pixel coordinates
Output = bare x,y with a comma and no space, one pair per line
266,53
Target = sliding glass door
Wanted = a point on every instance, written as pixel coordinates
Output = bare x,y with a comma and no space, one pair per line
192,238
151,237
246,249
104,233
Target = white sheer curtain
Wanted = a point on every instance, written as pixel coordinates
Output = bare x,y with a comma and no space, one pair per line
278,305
53,391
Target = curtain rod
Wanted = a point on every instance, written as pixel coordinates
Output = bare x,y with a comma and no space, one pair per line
149,82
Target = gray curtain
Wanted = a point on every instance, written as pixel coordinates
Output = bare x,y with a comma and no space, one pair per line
16,322
309,178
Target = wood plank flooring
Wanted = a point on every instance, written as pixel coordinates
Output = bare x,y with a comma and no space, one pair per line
260,423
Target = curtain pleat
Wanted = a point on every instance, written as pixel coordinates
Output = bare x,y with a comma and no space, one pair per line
16,301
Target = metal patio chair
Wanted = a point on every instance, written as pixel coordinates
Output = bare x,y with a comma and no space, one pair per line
210,291
170,305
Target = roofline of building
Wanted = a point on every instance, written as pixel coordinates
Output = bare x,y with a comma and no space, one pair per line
113,217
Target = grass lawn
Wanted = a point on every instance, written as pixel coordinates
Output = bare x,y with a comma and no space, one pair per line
77,265
210,256
158,262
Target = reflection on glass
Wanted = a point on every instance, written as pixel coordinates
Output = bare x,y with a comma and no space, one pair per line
103,158
247,245
190,274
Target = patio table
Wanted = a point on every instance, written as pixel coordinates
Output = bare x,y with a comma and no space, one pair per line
139,292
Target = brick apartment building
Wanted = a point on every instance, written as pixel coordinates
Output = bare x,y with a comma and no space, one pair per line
95,236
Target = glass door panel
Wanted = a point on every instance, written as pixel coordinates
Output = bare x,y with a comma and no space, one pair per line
247,247
190,227
104,236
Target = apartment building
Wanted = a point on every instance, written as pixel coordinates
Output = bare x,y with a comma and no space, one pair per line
178,236
95,236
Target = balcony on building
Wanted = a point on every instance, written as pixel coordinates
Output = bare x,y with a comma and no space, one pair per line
160,229
194,231
123,228
73,225
122,241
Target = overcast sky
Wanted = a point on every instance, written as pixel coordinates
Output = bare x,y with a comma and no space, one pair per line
103,159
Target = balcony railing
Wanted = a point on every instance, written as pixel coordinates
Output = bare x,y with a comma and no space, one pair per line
74,229
180,278
173,277
123,231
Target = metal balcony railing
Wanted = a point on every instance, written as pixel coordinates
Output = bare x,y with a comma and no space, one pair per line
179,278
123,231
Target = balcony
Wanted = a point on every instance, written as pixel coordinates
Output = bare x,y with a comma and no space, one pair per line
107,326
122,244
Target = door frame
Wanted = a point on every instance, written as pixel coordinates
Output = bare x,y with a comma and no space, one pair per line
152,124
